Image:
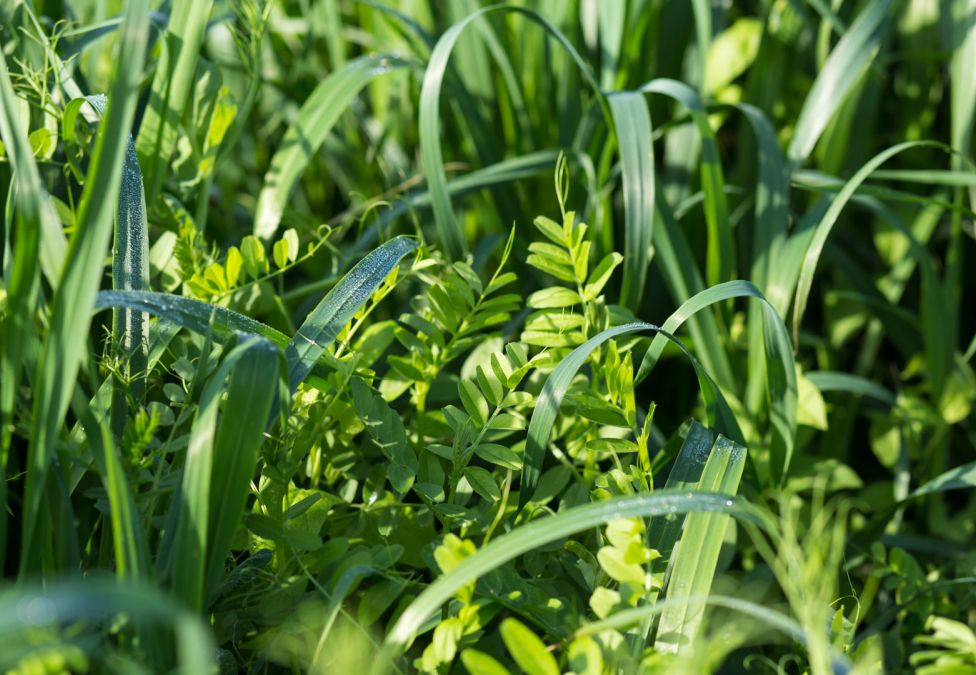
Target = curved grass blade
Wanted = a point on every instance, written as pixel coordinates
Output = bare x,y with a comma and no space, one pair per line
336,309
64,348
826,224
847,62
826,380
777,620
538,533
211,503
318,115
195,315
781,368
175,75
959,478
448,229
683,279
632,122
547,406
720,256
75,602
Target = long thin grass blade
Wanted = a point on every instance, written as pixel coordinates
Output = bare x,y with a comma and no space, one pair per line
318,115
848,61
175,75
720,256
633,126
448,230
538,533
65,345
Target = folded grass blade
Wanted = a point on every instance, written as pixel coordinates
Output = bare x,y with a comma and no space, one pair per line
692,567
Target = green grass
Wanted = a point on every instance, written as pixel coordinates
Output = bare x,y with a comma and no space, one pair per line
553,337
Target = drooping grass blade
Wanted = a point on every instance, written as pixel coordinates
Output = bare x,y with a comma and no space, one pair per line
547,405
781,369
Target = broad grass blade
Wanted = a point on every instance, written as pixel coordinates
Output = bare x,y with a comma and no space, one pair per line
211,502
692,567
633,127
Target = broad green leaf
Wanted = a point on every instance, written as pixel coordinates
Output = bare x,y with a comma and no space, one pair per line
528,651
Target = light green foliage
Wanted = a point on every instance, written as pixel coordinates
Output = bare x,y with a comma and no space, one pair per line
572,336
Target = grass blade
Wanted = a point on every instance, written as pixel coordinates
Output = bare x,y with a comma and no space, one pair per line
547,405
64,348
826,224
448,230
76,602
211,504
318,115
633,126
538,533
692,567
336,309
720,256
847,62
781,375
176,73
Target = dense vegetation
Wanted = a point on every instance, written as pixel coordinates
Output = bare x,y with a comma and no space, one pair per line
590,337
